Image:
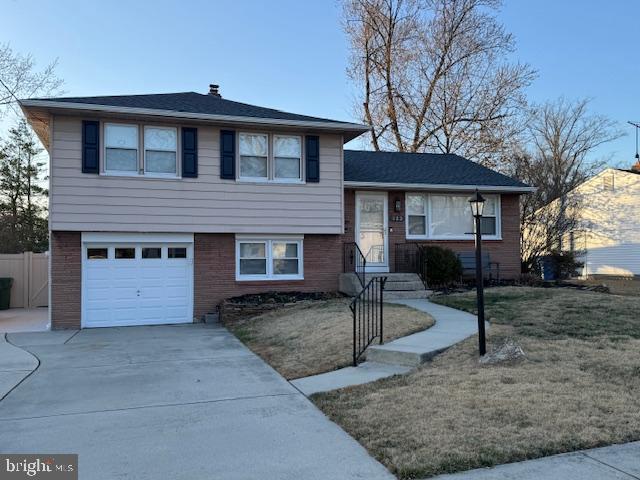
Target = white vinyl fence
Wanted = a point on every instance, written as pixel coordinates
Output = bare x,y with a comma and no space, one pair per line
30,275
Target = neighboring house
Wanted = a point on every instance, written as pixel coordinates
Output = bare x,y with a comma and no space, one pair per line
162,206
607,234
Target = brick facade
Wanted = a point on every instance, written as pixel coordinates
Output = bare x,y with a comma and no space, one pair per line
66,274
214,261
505,251
215,270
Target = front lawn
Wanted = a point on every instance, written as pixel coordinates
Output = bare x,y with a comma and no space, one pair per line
579,387
617,286
316,336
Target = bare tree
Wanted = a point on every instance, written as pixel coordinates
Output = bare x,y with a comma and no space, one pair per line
20,79
434,77
561,136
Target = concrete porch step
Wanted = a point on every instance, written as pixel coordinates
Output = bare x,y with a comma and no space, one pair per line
406,294
406,285
402,285
395,277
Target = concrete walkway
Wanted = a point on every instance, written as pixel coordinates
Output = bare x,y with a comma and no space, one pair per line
401,355
617,462
24,320
15,365
172,402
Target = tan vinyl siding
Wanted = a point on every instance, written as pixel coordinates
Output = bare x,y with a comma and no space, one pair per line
206,204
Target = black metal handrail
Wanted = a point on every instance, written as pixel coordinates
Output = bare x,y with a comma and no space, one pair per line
354,261
411,258
368,316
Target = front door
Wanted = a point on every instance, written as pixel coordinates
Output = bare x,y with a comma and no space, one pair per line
371,229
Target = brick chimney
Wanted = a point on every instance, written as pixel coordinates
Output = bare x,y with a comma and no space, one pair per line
213,90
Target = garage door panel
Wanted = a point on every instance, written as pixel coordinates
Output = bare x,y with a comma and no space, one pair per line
99,294
119,292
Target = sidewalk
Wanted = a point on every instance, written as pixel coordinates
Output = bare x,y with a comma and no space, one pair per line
400,355
617,462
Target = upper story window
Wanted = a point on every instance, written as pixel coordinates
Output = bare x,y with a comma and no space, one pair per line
121,148
448,217
160,150
287,153
254,155
123,142
266,157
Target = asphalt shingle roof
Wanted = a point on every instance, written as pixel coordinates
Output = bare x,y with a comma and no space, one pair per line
190,102
420,168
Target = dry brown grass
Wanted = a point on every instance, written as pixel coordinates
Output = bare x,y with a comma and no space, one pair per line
576,389
316,336
617,286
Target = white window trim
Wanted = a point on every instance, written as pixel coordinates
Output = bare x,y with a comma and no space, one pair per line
120,173
470,236
268,241
285,179
239,159
271,162
141,171
144,153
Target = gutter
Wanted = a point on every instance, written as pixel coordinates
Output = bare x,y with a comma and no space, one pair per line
342,126
438,187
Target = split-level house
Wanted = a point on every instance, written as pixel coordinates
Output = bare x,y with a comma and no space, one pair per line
161,206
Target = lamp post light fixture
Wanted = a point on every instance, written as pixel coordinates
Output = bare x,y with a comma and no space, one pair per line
477,206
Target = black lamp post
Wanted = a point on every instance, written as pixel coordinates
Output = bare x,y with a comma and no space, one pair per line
477,205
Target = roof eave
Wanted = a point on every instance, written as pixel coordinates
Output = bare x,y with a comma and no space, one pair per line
349,130
439,187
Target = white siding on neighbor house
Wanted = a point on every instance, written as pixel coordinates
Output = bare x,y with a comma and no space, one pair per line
207,204
609,224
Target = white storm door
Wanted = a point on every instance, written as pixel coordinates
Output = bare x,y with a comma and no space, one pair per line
371,230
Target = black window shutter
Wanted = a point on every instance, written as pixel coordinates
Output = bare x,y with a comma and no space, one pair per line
312,153
90,146
189,152
228,154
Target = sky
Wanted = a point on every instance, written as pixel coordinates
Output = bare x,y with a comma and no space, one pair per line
292,54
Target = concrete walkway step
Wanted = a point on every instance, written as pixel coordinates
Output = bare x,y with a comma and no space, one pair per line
364,373
452,326
399,356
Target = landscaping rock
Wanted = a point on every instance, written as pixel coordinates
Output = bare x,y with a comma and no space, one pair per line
509,351
251,305
599,288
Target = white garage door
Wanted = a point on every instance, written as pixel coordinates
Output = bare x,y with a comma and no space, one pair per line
141,283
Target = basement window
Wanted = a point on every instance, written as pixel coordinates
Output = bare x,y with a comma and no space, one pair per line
269,259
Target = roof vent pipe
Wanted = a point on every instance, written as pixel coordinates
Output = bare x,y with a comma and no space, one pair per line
213,90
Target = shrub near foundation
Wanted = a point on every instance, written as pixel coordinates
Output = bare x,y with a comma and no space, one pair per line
443,266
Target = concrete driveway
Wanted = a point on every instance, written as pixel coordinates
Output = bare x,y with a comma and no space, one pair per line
24,320
171,402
